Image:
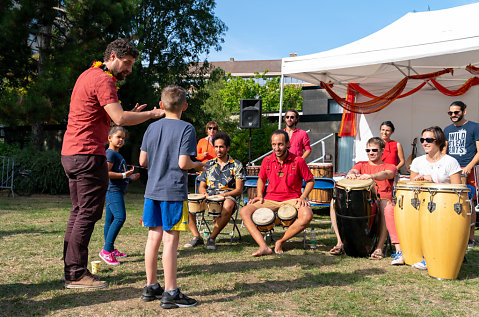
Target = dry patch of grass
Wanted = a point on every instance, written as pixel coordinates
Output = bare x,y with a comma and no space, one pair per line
226,282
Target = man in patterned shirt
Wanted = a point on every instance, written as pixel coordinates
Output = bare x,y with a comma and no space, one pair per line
224,176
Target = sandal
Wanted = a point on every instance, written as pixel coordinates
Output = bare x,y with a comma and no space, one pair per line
337,250
377,255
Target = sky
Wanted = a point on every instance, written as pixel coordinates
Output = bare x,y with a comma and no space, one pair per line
272,29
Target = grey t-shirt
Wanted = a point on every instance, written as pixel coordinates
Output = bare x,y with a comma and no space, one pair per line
164,141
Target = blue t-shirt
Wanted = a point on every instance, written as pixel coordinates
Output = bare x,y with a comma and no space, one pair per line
119,166
164,141
461,141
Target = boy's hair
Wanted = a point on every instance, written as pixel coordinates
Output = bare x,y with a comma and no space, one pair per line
459,104
223,136
114,129
173,98
438,135
281,132
377,141
121,47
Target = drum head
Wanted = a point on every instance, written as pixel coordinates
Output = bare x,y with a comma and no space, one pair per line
287,212
409,184
216,198
445,187
196,197
320,164
354,183
263,217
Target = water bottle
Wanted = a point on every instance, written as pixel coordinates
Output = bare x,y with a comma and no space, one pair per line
206,234
312,239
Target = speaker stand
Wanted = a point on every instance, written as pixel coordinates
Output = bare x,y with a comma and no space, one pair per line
249,147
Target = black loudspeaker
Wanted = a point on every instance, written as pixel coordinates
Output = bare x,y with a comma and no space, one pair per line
250,113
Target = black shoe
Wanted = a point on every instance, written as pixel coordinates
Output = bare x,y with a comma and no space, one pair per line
152,292
210,244
179,300
196,241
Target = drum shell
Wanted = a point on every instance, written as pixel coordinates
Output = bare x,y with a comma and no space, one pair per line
356,219
267,226
444,232
252,171
321,170
196,205
287,218
214,206
406,218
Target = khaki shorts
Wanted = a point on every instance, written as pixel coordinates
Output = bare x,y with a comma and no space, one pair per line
274,205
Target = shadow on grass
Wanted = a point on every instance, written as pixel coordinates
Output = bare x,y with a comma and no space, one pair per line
275,286
4,233
17,299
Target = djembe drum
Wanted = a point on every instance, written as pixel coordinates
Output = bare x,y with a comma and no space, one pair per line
263,218
287,214
356,209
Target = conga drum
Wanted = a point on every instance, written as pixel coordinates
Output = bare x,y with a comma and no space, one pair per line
287,214
406,217
196,203
263,218
356,209
445,217
252,171
215,204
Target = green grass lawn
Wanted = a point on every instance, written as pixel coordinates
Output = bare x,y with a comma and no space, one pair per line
226,282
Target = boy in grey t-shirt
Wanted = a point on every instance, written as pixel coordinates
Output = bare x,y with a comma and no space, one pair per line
167,147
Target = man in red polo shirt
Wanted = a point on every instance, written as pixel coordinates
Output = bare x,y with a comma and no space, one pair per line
298,139
94,103
285,172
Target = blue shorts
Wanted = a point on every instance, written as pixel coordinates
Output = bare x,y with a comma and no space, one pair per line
171,215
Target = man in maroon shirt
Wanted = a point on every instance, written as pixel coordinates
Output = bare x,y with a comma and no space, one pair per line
285,173
94,103
298,139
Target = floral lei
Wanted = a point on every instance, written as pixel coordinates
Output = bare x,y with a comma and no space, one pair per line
105,69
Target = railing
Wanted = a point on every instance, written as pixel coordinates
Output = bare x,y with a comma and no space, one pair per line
323,149
6,174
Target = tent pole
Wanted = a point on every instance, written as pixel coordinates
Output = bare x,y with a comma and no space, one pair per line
280,101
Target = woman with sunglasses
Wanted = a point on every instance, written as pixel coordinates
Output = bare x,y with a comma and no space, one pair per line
393,152
435,165
205,149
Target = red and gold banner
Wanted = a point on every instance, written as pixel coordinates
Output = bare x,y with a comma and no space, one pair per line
348,121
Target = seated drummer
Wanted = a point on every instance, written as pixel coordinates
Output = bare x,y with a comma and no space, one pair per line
224,176
285,173
383,174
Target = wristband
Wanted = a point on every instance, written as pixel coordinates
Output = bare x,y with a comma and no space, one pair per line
124,175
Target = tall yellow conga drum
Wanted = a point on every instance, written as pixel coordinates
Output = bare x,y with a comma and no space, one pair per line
445,216
406,217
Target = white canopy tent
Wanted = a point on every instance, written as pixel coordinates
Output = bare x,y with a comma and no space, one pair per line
417,43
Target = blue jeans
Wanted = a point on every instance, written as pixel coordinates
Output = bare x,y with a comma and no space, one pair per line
115,216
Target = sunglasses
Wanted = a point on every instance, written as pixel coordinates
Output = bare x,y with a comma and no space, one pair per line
212,128
450,113
428,140
372,150
290,117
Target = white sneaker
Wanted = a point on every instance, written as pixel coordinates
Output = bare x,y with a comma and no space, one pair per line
420,265
398,259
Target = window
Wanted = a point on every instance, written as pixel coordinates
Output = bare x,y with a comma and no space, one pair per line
334,107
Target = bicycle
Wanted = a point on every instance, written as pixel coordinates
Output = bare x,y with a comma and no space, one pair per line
19,181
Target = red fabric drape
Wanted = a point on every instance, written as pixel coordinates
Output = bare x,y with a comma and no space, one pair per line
366,93
472,69
460,91
348,120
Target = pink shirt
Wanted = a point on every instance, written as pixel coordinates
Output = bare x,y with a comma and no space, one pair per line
299,142
88,122
285,182
384,187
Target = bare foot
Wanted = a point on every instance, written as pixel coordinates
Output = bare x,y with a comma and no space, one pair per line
260,252
278,247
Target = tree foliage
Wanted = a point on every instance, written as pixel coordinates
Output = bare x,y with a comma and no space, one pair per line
49,43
